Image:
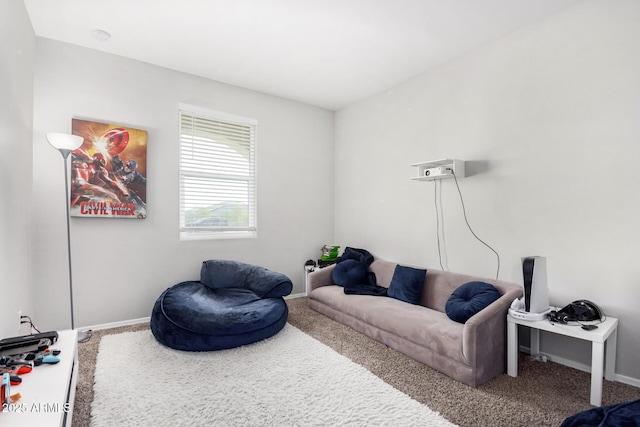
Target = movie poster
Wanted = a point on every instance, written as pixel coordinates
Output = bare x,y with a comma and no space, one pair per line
109,171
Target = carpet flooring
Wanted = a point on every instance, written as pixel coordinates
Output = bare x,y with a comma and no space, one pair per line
290,379
543,394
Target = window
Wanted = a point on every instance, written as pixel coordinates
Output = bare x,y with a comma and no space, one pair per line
217,174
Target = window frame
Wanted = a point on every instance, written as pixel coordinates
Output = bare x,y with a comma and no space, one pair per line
223,232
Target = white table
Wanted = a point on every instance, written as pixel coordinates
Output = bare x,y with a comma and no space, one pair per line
308,270
48,392
606,333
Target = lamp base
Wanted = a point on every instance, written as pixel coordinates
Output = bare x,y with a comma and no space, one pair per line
84,336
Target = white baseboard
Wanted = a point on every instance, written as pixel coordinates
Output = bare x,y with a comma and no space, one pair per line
292,296
627,380
116,324
560,360
583,367
147,319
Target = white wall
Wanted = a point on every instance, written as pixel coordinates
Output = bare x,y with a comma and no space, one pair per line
17,46
121,266
534,114
549,120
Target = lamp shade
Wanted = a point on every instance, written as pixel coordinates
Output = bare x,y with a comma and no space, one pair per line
64,141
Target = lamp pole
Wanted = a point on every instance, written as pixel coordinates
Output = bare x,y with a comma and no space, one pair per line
65,144
65,155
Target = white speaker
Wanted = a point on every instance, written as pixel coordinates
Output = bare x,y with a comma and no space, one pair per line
536,291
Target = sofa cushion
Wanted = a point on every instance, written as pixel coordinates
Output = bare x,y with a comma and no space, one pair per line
406,284
424,327
470,299
349,272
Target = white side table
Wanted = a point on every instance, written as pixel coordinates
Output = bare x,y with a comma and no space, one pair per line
308,270
606,333
48,392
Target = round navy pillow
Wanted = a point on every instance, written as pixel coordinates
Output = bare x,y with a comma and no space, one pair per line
469,299
349,272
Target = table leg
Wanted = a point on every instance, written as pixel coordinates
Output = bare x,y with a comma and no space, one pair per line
534,341
610,360
597,370
512,349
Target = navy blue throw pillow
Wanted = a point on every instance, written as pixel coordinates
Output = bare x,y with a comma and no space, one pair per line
469,299
349,272
406,284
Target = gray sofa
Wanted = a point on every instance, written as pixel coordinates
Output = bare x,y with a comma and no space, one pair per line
472,353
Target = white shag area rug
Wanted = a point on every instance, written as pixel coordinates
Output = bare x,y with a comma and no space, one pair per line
290,379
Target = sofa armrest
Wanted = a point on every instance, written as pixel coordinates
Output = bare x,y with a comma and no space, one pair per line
501,305
320,277
484,335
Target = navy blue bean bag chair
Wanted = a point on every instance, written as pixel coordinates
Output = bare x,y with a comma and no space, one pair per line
233,304
625,414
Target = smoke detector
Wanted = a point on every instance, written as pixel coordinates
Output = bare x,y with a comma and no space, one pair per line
101,35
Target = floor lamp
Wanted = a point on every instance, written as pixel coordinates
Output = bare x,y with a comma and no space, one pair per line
65,144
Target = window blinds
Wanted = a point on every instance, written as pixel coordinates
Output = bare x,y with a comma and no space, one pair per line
217,173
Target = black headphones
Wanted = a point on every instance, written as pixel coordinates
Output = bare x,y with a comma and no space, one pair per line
577,311
558,317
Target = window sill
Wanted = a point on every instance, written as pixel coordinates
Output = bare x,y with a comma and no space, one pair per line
217,235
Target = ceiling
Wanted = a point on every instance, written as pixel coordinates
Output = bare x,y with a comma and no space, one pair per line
328,53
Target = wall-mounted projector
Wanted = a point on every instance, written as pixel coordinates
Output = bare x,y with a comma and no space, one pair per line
438,171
